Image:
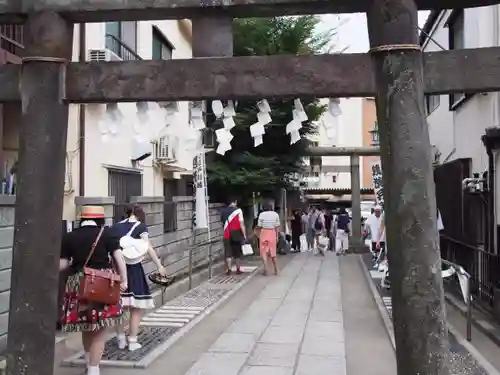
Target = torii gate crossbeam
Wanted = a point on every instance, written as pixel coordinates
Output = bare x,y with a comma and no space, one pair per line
396,72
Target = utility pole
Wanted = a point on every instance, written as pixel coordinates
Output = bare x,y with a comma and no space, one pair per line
413,252
39,201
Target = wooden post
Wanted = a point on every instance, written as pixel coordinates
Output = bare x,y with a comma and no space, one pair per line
414,258
39,203
356,245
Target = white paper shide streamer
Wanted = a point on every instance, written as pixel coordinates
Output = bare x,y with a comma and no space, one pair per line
298,117
258,129
330,118
224,136
109,124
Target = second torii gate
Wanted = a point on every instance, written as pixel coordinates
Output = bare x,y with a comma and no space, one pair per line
354,153
395,71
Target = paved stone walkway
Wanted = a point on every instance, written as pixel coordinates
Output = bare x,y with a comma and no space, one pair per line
294,327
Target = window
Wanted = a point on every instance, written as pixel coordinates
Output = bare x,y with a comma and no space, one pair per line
123,185
121,38
456,41
162,48
334,179
431,103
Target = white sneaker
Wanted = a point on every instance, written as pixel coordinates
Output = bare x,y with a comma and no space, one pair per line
122,341
133,344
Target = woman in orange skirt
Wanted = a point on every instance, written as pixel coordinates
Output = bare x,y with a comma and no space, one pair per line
268,225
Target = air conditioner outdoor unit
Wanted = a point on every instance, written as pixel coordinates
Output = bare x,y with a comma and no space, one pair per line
163,153
102,55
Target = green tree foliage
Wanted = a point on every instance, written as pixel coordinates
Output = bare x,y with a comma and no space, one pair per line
246,169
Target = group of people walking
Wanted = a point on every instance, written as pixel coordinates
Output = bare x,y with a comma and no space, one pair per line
323,230
94,252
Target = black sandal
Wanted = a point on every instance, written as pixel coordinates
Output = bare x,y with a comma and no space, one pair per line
158,279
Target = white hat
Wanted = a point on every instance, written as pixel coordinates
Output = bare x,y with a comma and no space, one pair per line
378,208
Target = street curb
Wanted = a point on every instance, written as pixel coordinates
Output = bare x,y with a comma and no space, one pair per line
389,327
481,360
481,325
74,361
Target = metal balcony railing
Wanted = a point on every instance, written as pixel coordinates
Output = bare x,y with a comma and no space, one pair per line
12,39
120,49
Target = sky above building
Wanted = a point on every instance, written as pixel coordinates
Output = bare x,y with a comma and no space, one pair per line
352,32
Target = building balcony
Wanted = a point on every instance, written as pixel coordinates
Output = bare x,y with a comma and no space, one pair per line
11,43
121,49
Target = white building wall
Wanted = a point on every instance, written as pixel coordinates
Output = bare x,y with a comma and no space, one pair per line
349,134
117,151
457,134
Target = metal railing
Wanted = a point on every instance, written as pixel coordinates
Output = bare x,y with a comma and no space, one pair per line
12,38
466,294
120,49
198,257
169,217
483,268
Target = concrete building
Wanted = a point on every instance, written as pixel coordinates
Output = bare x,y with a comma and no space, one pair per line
354,124
462,129
121,163
370,138
130,166
457,122
120,169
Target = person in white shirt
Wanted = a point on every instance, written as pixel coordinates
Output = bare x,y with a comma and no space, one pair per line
268,225
375,224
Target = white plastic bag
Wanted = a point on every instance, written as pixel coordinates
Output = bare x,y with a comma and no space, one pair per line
303,242
246,249
323,241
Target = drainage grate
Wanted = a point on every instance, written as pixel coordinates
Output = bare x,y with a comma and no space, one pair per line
162,327
199,297
149,337
227,279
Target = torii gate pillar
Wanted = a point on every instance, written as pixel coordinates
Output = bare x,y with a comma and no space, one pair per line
409,195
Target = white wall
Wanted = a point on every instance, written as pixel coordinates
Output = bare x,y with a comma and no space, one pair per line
457,134
117,150
349,134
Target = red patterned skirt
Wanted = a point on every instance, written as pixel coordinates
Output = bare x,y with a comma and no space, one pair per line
81,315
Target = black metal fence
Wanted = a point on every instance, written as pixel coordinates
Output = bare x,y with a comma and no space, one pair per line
169,217
12,38
120,49
484,268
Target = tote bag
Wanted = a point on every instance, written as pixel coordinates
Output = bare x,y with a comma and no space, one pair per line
133,249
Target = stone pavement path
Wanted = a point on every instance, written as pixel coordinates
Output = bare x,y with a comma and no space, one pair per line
294,327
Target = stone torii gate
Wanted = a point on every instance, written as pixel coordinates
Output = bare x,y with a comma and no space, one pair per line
354,153
395,71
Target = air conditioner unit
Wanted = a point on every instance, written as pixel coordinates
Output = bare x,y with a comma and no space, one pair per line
102,55
163,153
